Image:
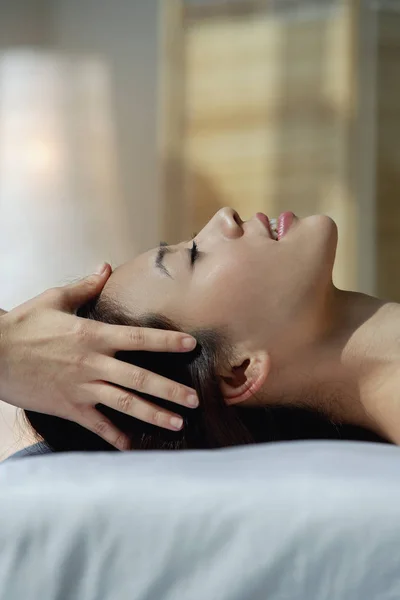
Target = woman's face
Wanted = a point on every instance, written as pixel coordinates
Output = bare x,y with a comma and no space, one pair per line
240,280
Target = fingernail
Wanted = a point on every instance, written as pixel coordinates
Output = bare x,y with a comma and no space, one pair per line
176,422
101,268
193,400
188,343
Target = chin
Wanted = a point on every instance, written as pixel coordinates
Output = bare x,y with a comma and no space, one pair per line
322,236
322,228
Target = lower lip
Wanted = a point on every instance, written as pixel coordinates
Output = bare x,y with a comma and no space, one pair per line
285,221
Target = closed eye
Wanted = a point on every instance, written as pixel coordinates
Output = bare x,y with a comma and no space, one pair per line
194,253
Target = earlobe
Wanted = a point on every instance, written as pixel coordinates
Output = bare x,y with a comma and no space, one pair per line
246,379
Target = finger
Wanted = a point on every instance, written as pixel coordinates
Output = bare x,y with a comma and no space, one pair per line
122,337
132,405
94,421
76,294
140,380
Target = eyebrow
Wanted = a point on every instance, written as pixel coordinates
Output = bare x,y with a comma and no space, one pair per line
163,249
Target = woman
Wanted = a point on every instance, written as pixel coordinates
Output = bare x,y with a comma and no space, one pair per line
277,341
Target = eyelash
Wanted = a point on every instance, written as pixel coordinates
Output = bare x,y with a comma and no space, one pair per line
194,252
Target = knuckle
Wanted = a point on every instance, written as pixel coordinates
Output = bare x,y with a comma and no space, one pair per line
102,428
138,380
138,337
157,417
174,393
170,343
82,361
125,402
122,442
90,283
82,331
53,295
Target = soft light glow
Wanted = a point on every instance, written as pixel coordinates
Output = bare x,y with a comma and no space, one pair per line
61,208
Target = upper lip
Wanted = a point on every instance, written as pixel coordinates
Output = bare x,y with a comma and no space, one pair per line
264,220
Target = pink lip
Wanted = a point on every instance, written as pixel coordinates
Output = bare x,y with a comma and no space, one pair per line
265,221
285,221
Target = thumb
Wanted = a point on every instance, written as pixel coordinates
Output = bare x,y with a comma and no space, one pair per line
76,294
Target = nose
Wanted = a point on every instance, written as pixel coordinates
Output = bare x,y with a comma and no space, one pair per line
230,223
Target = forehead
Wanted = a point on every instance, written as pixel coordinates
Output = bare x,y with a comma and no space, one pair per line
139,286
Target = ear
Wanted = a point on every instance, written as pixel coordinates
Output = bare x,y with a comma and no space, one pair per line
245,379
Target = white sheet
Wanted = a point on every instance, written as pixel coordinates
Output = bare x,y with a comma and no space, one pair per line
284,521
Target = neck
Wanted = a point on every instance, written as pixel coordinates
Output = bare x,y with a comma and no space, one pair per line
352,371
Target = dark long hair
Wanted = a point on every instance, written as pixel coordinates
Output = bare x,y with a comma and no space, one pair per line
212,425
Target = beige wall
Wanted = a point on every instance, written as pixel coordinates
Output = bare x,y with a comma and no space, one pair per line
125,34
268,107
25,23
388,154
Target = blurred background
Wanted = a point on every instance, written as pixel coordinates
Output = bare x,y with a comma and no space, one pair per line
126,122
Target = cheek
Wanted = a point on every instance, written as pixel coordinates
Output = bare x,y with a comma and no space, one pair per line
225,292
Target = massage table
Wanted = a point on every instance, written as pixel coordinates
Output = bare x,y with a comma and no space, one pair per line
315,520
